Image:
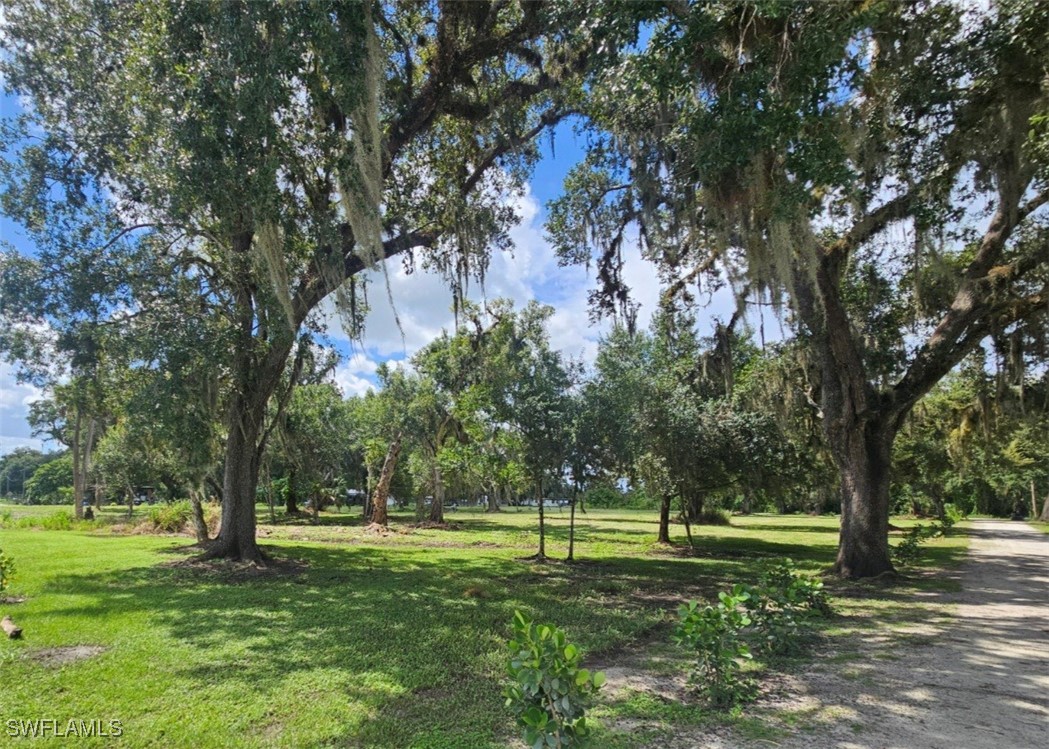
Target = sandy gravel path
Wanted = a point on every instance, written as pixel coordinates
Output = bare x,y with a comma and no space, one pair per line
981,682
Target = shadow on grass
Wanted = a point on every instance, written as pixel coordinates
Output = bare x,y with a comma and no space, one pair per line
789,528
411,632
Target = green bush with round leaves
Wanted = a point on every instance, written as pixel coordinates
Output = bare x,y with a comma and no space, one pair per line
549,693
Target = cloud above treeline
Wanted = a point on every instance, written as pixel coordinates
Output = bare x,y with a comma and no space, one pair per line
422,301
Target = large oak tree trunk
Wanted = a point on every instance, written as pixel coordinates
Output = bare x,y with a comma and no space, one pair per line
256,373
236,539
380,515
864,458
859,424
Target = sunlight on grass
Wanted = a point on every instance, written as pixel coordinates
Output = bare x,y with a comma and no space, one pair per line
389,641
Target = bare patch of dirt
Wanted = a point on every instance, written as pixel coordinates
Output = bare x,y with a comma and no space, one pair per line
433,525
977,680
974,679
62,656
232,571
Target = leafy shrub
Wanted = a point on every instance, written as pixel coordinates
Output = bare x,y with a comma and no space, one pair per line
170,518
908,550
952,514
6,518
713,517
550,693
782,605
7,569
715,633
769,618
791,589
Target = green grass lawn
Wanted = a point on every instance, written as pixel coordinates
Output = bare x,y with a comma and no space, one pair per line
380,641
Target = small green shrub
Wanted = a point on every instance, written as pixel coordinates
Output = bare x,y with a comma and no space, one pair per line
793,590
549,693
908,550
952,514
769,619
169,518
713,517
7,569
715,634
782,605
6,518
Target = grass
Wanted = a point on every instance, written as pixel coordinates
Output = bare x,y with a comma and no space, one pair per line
381,641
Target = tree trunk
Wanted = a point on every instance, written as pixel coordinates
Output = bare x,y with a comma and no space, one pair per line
493,499
1044,517
291,501
200,527
863,454
664,520
693,508
437,508
542,525
84,468
380,515
236,539
571,529
859,423
745,509
369,487
688,528
78,473
215,486
1034,501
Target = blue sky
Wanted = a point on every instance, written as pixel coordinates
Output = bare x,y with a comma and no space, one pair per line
422,301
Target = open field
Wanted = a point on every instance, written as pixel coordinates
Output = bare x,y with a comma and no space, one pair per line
385,641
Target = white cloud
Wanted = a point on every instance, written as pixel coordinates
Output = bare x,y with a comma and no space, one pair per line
10,444
355,375
422,300
351,384
15,399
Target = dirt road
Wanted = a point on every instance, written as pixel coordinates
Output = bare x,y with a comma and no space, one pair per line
979,682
